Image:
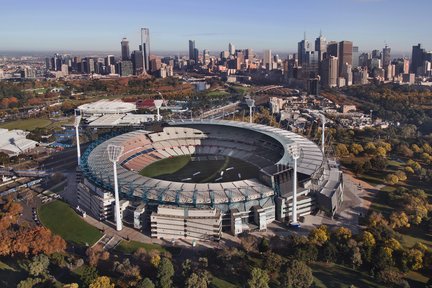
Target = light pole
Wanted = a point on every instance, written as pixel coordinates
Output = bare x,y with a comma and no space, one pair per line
76,125
158,104
251,103
114,153
295,154
323,120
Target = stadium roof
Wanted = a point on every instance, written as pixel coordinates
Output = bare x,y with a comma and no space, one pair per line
107,107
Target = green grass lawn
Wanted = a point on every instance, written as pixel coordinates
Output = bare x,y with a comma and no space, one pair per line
217,93
62,220
220,283
129,247
166,166
27,124
337,276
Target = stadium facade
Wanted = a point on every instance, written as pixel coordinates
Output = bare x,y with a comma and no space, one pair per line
184,209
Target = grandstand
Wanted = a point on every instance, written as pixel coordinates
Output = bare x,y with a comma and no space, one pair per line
202,210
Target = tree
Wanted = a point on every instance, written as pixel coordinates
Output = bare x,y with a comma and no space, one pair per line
398,220
370,148
272,261
145,283
414,259
356,148
196,281
392,179
378,163
258,278
341,150
39,265
102,282
391,276
89,274
249,243
264,245
29,283
297,275
381,151
401,175
165,273
319,235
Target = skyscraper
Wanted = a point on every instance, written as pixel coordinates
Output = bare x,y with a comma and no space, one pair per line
417,58
355,55
321,46
329,72
137,62
303,47
125,49
191,49
332,49
231,48
345,54
386,57
145,48
268,60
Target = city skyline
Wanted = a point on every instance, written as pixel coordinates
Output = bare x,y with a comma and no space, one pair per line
55,27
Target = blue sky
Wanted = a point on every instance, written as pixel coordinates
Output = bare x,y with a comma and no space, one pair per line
98,25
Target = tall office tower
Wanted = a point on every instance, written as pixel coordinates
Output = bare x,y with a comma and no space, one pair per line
386,57
224,55
48,63
332,49
406,65
268,60
303,47
376,54
329,72
355,56
206,57
345,54
417,58
109,60
364,59
145,48
125,49
311,64
231,48
125,68
137,62
191,49
321,46
347,74
196,55
249,54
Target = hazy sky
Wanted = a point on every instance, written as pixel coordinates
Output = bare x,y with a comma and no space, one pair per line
99,25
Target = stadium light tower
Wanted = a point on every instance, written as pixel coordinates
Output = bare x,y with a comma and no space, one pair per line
251,103
158,104
114,153
293,149
76,125
323,121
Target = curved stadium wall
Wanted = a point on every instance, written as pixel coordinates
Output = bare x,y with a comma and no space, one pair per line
182,209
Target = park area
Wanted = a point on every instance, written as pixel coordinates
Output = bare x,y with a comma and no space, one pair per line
62,220
33,123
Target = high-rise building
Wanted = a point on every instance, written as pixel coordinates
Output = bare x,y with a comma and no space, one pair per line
137,62
355,56
191,49
196,55
321,46
303,47
268,60
364,59
386,57
109,60
329,72
125,49
145,49
345,54
332,49
249,54
125,68
417,58
231,48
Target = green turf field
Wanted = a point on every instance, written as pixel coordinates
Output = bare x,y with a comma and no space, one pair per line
27,124
165,166
130,247
200,169
62,220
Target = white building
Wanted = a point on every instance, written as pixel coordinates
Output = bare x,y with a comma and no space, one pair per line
14,142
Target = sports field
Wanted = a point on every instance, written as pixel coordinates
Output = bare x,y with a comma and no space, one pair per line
200,169
62,220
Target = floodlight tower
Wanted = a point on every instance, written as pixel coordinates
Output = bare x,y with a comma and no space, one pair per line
251,103
76,125
158,104
323,121
293,149
114,153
